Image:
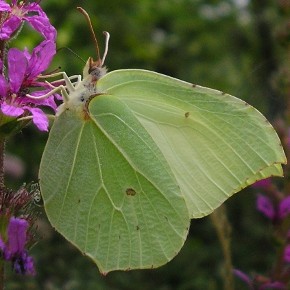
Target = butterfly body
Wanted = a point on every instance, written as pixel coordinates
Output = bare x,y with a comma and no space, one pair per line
76,95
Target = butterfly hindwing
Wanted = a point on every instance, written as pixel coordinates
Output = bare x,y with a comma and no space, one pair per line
122,211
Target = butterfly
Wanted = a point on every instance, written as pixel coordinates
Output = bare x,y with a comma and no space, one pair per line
134,155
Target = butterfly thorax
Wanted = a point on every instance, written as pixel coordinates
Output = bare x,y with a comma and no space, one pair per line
84,89
87,88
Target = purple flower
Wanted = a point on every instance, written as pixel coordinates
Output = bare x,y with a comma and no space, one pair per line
284,207
14,249
263,184
244,277
257,283
16,13
23,70
273,285
2,245
16,237
24,264
287,254
264,205
288,137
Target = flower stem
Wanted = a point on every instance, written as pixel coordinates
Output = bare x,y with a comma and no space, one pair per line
1,275
2,154
2,190
223,229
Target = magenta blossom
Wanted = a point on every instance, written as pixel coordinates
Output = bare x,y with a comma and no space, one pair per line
273,285
259,284
271,211
18,12
23,70
244,277
263,184
287,254
265,206
14,249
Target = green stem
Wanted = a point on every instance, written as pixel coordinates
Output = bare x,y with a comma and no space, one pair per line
2,152
2,189
223,229
2,275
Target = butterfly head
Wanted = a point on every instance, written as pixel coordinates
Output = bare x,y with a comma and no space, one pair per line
94,69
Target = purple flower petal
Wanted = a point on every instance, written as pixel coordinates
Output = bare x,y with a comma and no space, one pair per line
30,12
15,250
244,277
11,110
41,58
264,183
273,285
4,6
27,54
29,265
17,65
40,22
3,87
24,264
2,245
35,7
42,25
284,207
23,68
9,26
265,206
17,228
287,254
39,118
49,102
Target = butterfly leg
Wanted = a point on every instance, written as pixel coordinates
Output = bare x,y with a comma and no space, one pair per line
60,109
69,86
66,79
60,88
78,77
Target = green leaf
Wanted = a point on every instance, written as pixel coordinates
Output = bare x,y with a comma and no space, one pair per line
9,126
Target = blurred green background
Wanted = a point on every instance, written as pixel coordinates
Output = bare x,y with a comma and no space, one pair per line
237,46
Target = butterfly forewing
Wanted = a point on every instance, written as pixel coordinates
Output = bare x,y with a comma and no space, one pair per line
214,143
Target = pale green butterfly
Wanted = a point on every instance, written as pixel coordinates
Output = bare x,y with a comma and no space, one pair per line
133,155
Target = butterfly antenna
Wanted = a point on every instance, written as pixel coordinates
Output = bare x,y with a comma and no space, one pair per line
71,51
84,12
107,35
